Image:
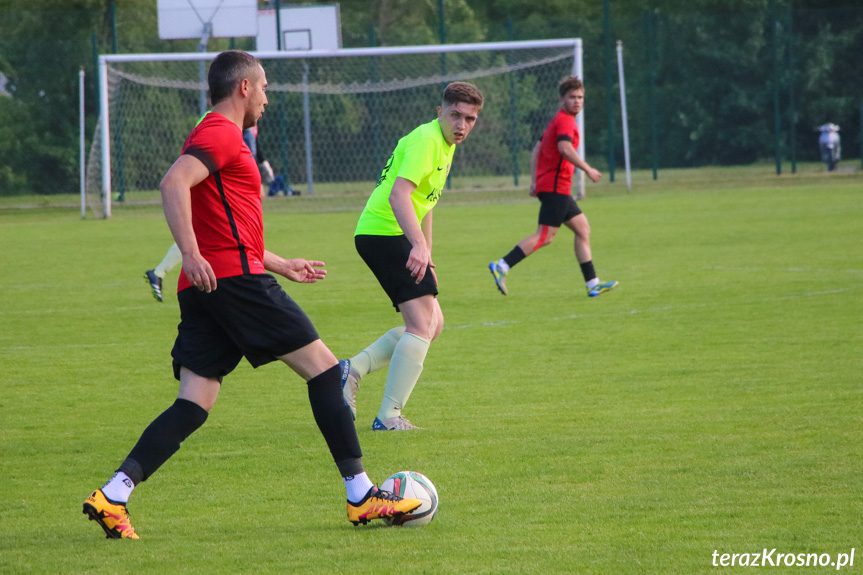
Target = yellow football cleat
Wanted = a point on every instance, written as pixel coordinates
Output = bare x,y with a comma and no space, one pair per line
113,517
379,504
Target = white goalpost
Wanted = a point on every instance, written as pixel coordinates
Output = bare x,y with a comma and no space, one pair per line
340,111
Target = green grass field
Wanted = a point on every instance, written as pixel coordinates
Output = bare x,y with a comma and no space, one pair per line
713,402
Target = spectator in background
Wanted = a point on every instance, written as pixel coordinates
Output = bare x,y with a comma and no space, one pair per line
250,137
831,148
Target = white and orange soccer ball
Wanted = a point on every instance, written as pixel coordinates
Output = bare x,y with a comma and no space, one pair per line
413,485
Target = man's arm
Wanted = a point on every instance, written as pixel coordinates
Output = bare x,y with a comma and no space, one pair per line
403,210
176,188
567,150
426,226
534,160
297,270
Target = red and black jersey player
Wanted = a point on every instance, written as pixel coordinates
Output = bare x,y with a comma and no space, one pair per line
552,164
231,308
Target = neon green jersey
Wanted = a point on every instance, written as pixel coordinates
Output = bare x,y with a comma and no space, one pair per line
424,157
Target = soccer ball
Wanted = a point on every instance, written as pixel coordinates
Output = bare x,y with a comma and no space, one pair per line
413,485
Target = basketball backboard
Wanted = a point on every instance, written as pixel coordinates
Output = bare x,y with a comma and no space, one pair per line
179,19
304,27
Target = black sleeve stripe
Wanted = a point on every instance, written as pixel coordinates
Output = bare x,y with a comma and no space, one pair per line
203,156
564,138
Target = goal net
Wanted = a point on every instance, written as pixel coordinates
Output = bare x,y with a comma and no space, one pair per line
333,117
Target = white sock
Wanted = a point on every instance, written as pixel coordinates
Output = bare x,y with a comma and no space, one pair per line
504,267
171,260
592,283
378,354
357,486
405,369
118,488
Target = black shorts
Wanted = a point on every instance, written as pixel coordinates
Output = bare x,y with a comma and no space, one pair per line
248,315
556,209
387,257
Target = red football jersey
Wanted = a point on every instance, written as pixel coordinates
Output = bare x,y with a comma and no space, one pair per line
553,171
226,206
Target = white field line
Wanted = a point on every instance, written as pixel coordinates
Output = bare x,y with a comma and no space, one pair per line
479,325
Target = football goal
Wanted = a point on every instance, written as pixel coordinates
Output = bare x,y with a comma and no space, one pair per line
334,116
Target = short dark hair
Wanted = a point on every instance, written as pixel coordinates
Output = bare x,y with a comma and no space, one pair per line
568,84
456,92
227,71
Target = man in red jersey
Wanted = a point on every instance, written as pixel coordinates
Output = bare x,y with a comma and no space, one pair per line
231,308
552,164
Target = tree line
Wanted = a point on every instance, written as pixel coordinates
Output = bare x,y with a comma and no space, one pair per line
706,80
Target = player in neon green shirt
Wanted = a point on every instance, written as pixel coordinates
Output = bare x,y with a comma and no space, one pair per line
394,238
422,157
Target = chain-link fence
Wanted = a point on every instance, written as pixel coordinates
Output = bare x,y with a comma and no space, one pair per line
337,119
703,88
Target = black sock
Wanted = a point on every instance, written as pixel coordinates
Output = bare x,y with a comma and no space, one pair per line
587,270
334,419
162,439
514,256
